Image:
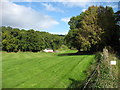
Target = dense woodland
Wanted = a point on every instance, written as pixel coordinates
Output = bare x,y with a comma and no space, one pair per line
14,40
94,29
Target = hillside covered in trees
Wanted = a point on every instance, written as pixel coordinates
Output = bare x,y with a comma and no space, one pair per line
14,39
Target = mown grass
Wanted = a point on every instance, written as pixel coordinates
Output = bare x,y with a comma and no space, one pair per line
43,70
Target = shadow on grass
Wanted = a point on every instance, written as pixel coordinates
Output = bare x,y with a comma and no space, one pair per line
78,53
75,84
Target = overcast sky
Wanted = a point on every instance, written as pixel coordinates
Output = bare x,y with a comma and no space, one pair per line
51,17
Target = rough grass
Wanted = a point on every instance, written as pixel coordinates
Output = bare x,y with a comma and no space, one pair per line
107,76
43,70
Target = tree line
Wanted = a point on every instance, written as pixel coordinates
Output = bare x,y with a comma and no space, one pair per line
14,40
94,29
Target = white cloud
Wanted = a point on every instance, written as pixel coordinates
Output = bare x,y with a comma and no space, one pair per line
66,20
64,0
113,6
86,0
23,17
49,7
83,10
72,3
86,3
60,33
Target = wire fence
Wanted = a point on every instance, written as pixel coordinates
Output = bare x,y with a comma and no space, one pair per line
96,76
91,77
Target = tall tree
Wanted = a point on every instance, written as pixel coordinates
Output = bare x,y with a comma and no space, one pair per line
91,30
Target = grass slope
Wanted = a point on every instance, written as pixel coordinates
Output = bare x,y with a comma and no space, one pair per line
43,70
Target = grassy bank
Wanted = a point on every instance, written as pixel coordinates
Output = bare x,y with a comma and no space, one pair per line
107,74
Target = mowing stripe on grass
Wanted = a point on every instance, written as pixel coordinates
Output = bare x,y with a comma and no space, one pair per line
65,80
34,70
42,70
48,70
55,76
71,69
36,74
32,73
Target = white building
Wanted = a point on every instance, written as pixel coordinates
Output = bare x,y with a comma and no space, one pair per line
48,50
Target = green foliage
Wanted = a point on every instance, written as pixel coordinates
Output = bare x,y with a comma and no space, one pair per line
107,74
14,40
116,37
92,29
63,47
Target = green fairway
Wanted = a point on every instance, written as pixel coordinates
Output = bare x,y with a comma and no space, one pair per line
43,70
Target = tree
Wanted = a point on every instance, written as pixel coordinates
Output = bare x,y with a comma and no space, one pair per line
92,29
117,33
